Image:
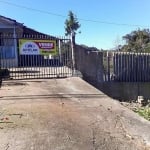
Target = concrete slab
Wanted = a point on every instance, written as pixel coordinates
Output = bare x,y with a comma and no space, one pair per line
66,114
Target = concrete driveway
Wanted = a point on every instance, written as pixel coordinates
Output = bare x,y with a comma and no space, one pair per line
66,114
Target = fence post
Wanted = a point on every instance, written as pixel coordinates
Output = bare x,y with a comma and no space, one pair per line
0,70
108,66
60,55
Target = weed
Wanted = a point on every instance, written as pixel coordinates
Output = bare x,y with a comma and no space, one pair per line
144,112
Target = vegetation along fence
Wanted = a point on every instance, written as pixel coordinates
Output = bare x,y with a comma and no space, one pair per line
34,56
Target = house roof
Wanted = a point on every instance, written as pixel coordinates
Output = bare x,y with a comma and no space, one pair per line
10,21
26,30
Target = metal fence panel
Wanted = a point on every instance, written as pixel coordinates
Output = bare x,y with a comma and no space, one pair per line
51,64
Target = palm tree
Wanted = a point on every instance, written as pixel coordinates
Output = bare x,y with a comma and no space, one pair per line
71,25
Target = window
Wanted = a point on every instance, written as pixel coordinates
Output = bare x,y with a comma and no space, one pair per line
1,39
7,49
7,52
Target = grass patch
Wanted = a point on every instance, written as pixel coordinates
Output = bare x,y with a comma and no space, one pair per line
144,112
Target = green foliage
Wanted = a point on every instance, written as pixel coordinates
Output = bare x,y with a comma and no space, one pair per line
137,41
89,48
144,112
71,24
65,47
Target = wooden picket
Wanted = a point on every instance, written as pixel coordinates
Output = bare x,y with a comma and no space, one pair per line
130,67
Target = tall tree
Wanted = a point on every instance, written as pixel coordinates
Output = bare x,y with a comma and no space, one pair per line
71,25
137,41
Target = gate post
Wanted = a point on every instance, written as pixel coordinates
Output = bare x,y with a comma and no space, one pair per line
108,66
72,49
0,70
59,47
15,47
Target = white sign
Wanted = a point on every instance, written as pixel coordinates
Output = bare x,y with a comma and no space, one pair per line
29,48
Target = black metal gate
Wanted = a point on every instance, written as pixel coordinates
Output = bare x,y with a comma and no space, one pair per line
35,57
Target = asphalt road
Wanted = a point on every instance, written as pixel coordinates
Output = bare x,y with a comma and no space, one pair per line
66,114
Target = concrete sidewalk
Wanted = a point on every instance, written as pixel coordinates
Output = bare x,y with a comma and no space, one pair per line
66,114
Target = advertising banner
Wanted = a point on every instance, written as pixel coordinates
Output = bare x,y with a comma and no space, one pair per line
37,47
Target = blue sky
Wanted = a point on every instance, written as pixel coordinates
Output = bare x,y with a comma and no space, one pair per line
99,34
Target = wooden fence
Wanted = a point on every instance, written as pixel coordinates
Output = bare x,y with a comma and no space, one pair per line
128,67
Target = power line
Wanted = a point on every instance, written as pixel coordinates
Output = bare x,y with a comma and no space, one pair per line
112,23
32,9
63,16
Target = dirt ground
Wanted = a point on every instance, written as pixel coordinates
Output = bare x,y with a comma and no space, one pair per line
66,114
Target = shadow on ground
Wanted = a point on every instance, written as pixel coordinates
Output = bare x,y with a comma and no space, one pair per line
123,91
